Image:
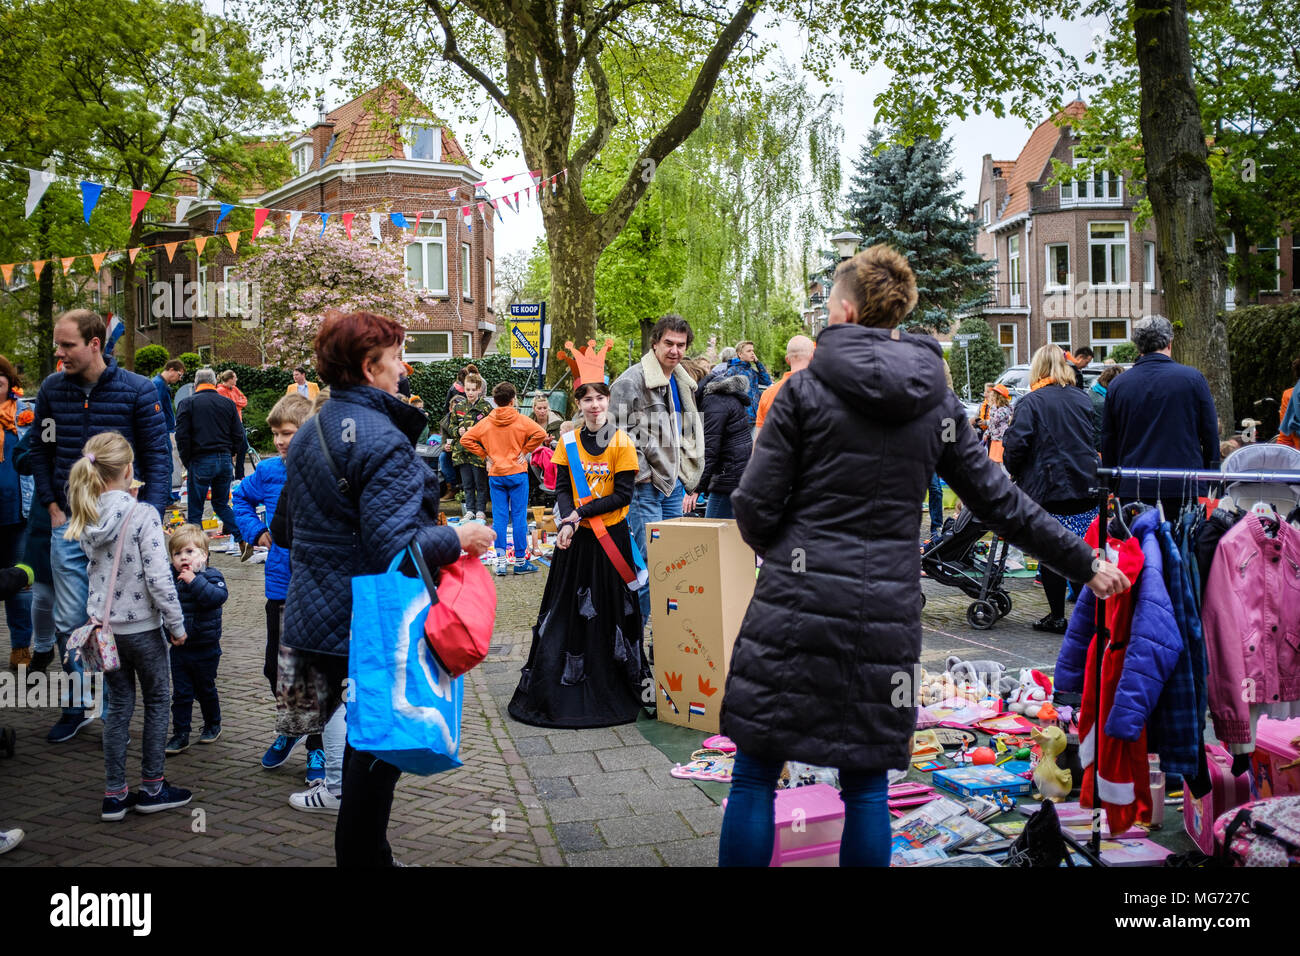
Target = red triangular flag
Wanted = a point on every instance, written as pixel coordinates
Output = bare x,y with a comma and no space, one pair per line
259,219
464,211
132,253
416,231
170,247
347,222
480,208
199,243
98,259
138,200
233,239
8,271
38,267
516,200
67,264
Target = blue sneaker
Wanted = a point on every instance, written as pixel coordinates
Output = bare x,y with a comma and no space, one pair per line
165,799
315,766
526,567
114,808
67,727
279,751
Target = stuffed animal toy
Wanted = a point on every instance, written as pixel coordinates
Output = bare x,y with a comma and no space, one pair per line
1052,782
985,677
1034,690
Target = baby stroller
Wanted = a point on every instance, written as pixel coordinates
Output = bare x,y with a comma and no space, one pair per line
539,496
957,559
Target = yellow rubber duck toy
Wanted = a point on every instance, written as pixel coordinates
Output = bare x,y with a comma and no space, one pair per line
1052,782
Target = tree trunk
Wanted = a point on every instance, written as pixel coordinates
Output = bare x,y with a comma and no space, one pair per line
1192,257
127,359
45,302
575,249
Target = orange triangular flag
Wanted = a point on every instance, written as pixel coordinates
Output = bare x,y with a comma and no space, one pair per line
98,259
133,253
38,267
67,264
233,238
259,218
347,222
8,271
199,243
138,200
171,249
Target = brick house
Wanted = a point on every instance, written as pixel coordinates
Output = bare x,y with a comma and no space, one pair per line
1073,269
384,152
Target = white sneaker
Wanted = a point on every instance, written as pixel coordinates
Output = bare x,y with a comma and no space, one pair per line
10,839
259,557
316,799
480,516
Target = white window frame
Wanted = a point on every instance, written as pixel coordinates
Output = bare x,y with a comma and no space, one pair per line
302,157
466,283
408,142
1110,282
985,210
1092,190
1230,291
1277,263
1013,270
201,283
225,290
411,356
426,241
1049,273
1148,264
1069,334
1015,343
487,283
1101,347
469,344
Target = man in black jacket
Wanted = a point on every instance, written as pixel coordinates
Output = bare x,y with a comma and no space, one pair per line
207,433
1158,414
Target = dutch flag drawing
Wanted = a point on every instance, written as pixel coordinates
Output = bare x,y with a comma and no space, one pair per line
654,534
672,604
697,710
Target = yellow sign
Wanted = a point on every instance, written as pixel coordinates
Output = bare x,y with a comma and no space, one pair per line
525,343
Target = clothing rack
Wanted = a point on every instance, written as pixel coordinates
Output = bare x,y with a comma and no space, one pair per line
1108,478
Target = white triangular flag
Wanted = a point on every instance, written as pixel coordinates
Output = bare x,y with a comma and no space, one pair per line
374,226
37,183
294,219
183,206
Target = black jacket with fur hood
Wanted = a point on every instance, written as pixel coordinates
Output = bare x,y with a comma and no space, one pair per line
723,401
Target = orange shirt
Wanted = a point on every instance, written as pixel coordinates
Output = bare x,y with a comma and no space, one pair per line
619,455
1283,438
503,436
766,399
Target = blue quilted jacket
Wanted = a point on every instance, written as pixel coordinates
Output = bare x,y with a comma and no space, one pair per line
201,601
392,502
1155,643
263,487
121,401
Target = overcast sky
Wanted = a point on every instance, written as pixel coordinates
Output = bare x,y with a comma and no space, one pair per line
972,138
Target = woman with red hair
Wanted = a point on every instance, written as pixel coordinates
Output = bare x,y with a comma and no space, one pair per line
356,495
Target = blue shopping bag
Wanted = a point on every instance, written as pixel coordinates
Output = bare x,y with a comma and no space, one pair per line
402,706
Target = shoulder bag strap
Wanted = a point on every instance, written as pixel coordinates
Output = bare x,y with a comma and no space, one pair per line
340,482
117,559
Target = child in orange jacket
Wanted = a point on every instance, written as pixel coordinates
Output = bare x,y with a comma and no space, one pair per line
507,439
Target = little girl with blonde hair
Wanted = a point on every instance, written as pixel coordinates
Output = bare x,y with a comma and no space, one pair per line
105,517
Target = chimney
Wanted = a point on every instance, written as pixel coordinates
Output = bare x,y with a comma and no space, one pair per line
321,134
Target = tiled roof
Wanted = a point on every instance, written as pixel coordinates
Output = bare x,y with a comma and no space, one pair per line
1032,162
369,127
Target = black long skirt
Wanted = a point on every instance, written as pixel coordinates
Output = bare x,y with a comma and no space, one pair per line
587,666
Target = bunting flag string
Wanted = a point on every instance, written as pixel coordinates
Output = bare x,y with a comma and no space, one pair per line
233,239
89,198
347,223
199,243
259,220
139,198
37,183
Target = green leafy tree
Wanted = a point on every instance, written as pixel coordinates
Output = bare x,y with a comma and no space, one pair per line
1124,352
149,359
983,356
904,196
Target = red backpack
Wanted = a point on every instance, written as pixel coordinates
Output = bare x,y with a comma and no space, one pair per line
464,609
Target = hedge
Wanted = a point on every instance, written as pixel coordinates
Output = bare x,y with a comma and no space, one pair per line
149,359
1262,341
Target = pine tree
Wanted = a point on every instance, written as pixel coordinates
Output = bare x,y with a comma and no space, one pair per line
904,196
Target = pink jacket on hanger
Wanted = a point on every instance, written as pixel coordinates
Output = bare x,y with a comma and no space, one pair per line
1251,619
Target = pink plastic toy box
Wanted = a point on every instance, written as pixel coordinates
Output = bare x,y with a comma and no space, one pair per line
1226,792
1274,750
809,824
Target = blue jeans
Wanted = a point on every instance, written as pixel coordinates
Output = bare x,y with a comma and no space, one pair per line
718,505
71,591
212,471
749,825
936,503
510,506
649,505
18,609
447,468
194,677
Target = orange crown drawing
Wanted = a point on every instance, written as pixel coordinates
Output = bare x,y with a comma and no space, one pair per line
706,687
587,365
674,680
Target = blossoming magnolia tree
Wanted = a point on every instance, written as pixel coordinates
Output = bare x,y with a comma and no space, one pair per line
293,283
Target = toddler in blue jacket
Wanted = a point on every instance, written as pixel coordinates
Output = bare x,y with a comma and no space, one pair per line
202,592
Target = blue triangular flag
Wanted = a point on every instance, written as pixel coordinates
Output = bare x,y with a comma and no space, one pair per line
89,197
225,211
399,220
324,220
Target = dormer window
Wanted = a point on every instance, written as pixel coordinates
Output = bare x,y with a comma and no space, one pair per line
421,142
302,157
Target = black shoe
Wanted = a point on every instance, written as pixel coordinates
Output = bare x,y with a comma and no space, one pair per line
210,734
40,661
1052,625
67,727
178,744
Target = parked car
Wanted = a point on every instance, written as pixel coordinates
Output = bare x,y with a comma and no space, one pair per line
1016,378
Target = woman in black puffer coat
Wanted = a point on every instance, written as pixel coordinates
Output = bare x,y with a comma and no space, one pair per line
822,667
1050,454
724,401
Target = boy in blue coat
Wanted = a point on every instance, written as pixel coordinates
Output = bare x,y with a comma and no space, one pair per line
202,591
263,487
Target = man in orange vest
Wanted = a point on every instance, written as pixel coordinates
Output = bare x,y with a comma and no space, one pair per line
798,353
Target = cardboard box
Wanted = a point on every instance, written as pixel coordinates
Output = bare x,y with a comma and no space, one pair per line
701,581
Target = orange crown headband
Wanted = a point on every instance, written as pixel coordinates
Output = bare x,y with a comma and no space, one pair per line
587,365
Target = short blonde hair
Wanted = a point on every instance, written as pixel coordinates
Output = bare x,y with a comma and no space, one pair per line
880,283
1049,362
186,535
290,410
